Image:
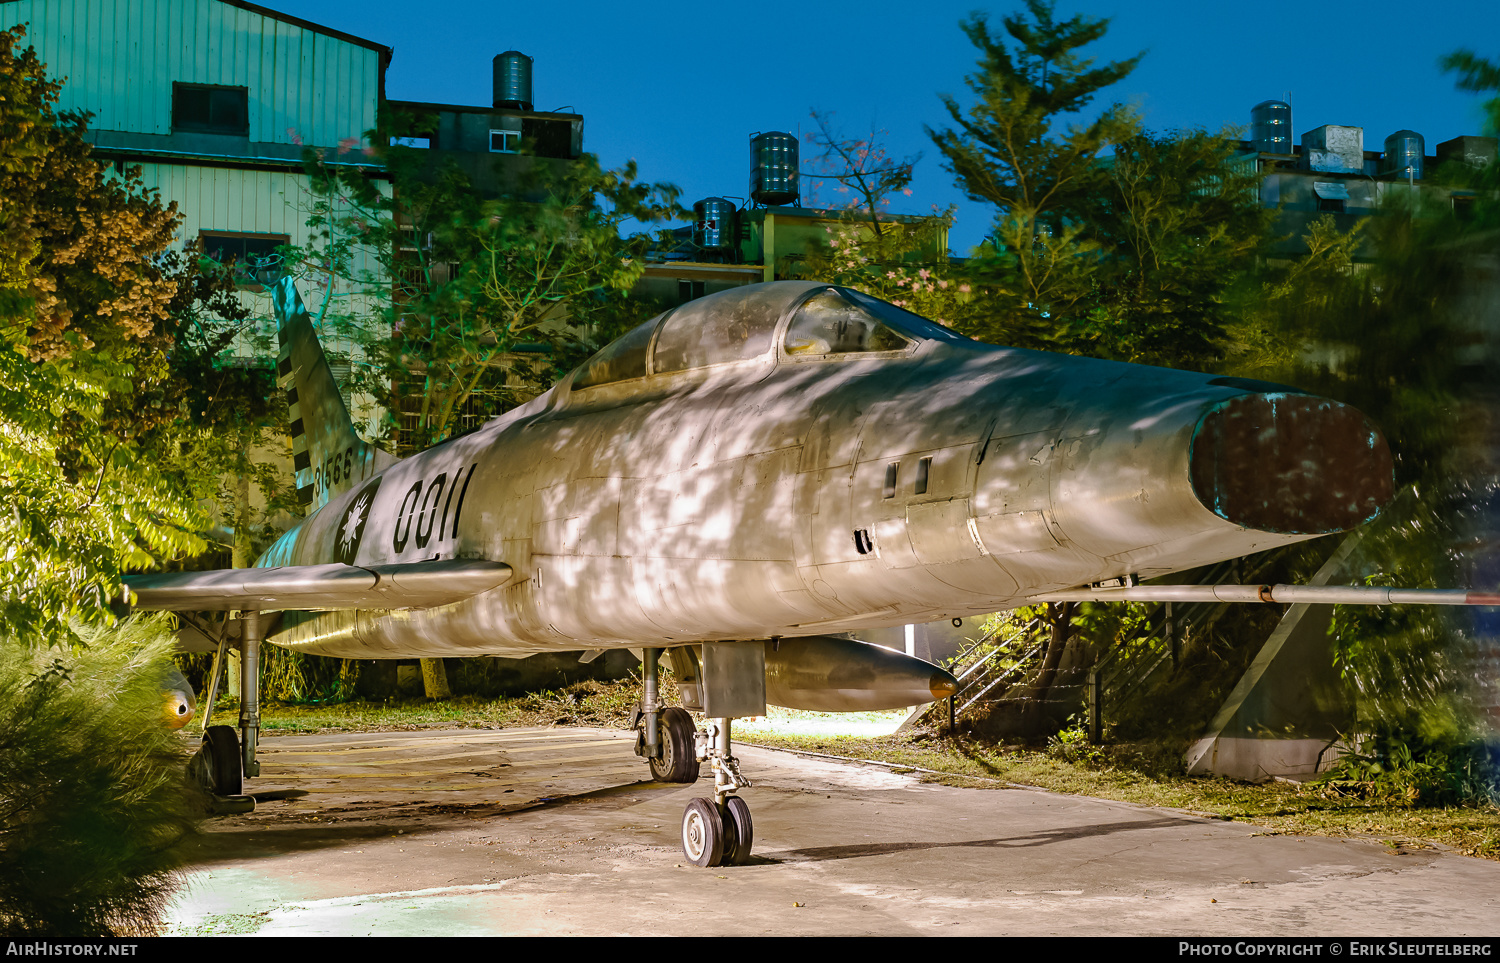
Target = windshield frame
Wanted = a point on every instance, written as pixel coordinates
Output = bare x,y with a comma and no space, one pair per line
783,356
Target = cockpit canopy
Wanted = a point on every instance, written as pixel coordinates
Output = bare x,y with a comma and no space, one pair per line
815,321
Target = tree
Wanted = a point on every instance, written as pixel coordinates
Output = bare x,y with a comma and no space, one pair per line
1179,227
91,468
901,260
1109,240
1478,75
866,175
490,299
1006,151
1392,336
905,266
109,452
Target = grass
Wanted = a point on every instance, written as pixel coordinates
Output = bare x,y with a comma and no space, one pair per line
586,703
1134,774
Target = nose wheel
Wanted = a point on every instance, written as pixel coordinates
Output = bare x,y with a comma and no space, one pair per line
702,833
717,835
718,831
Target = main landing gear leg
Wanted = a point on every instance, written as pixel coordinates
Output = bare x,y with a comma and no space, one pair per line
250,637
226,758
666,735
719,832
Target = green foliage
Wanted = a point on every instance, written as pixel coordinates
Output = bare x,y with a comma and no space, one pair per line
1108,241
1071,744
903,261
291,676
93,803
110,404
1008,151
904,265
1005,151
1479,75
1377,317
481,302
1180,222
1432,774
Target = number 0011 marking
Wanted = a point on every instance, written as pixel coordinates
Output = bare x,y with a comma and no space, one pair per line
423,512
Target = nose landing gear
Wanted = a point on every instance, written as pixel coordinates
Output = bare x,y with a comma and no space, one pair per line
717,831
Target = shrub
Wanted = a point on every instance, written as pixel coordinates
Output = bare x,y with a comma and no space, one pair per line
1442,774
93,799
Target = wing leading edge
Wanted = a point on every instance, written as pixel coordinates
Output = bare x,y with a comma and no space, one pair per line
413,585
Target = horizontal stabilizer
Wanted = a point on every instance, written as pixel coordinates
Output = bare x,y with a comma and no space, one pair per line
1281,594
413,585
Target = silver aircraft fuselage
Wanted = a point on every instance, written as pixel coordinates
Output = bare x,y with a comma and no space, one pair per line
680,489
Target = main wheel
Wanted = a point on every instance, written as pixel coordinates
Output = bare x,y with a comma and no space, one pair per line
703,833
679,759
221,748
739,832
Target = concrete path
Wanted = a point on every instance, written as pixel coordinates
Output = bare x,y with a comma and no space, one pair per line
549,831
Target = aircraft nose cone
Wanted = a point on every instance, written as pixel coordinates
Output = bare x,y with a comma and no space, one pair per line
1289,463
942,685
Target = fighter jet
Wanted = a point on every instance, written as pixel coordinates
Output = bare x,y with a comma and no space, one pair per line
743,478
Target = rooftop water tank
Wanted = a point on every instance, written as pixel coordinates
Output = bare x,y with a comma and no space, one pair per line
773,168
713,223
1403,155
1271,127
513,80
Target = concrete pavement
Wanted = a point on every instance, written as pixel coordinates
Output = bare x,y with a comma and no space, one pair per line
551,832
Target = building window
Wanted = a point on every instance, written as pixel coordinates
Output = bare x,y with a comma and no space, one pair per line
205,109
251,258
1333,196
419,143
548,138
691,290
505,141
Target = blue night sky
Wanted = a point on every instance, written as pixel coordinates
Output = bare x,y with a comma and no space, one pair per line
679,86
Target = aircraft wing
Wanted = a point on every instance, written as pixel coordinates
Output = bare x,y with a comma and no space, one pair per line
413,585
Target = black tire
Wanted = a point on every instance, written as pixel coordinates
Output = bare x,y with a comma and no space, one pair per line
703,833
739,832
679,757
221,748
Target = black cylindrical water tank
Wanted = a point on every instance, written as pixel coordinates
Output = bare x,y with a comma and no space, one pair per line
513,80
773,168
1271,127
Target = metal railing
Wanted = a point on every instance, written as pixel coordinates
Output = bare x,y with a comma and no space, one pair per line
991,665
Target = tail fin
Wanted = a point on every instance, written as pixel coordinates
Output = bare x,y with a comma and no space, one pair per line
328,456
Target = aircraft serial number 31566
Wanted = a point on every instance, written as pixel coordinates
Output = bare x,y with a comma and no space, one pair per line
741,477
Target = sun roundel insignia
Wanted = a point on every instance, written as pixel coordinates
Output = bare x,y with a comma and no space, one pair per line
352,523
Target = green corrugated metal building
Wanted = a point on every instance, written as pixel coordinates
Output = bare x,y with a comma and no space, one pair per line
215,100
